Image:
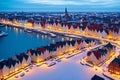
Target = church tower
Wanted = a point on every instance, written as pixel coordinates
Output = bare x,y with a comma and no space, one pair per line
66,13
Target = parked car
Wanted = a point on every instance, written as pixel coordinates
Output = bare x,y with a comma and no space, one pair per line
81,63
26,70
22,74
58,60
16,76
51,64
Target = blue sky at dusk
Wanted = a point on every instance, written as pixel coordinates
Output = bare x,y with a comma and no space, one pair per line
59,5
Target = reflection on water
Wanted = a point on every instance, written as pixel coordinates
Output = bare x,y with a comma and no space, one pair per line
6,27
42,36
45,36
16,30
37,35
19,41
53,41
21,30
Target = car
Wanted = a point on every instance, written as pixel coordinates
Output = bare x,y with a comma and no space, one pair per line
51,64
26,70
88,65
22,74
107,76
16,76
69,56
81,63
58,60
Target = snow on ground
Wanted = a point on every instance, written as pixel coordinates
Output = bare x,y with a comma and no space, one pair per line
67,69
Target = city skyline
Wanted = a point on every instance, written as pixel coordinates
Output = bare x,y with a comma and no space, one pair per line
59,5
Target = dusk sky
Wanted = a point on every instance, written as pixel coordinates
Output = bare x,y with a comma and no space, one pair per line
59,5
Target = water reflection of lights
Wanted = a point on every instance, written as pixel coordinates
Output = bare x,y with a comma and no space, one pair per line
21,30
6,27
37,35
45,36
16,30
53,41
42,36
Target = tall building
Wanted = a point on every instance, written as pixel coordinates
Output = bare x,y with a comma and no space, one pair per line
66,13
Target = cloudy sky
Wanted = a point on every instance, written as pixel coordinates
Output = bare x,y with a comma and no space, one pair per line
59,5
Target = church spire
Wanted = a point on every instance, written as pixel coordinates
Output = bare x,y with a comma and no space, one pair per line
66,13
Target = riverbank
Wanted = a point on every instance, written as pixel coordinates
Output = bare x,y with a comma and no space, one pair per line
19,41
